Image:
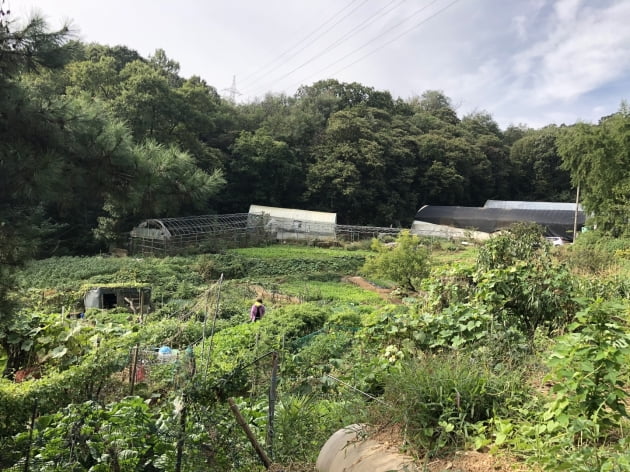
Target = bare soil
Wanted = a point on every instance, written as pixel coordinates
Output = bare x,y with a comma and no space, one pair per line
273,297
473,461
460,461
384,293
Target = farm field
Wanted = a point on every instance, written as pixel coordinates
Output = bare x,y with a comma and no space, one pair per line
508,356
444,354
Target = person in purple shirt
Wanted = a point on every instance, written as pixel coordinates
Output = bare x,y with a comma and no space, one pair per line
257,311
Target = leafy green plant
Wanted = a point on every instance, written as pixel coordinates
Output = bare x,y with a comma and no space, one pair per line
332,292
589,369
448,285
520,242
527,295
406,263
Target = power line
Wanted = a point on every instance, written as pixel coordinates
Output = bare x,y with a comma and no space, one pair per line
399,36
233,90
360,27
264,68
363,46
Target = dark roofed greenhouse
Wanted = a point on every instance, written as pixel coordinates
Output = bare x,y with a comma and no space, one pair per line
555,222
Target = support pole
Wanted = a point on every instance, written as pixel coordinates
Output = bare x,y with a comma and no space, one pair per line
577,205
27,462
182,435
214,322
272,404
243,424
132,379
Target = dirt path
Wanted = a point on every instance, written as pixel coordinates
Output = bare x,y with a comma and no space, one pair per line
460,461
384,293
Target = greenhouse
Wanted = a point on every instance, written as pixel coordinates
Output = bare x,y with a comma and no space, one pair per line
172,235
556,222
210,233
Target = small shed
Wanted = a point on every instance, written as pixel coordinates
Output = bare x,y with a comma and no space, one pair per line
133,298
292,224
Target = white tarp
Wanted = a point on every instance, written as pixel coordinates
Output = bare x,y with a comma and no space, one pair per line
422,228
293,214
521,205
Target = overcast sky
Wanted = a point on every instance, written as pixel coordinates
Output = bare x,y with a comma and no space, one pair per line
533,62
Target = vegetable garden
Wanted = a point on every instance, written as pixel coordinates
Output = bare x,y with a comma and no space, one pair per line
515,348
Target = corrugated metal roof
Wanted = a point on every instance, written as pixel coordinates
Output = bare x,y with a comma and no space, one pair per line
521,205
293,214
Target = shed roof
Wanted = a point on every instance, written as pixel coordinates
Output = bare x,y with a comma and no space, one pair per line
294,214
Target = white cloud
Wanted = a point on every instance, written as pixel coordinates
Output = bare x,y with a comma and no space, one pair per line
566,10
520,26
584,49
530,61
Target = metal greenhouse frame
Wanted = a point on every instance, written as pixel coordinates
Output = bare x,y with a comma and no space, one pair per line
175,235
210,233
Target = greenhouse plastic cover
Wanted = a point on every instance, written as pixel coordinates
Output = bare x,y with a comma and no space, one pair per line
489,220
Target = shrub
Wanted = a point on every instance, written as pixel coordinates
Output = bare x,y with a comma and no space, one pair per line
589,259
448,285
520,242
406,263
527,295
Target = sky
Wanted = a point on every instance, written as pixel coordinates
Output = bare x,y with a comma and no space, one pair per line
526,62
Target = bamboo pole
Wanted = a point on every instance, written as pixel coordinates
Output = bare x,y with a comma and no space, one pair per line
243,424
577,206
27,462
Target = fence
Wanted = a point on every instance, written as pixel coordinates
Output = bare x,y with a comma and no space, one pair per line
215,232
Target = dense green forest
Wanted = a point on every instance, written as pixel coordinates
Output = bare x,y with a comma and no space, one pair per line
511,348
96,138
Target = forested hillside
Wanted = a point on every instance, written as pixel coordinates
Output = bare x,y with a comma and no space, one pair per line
95,138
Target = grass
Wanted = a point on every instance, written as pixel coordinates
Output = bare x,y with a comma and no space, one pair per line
283,251
454,254
330,292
